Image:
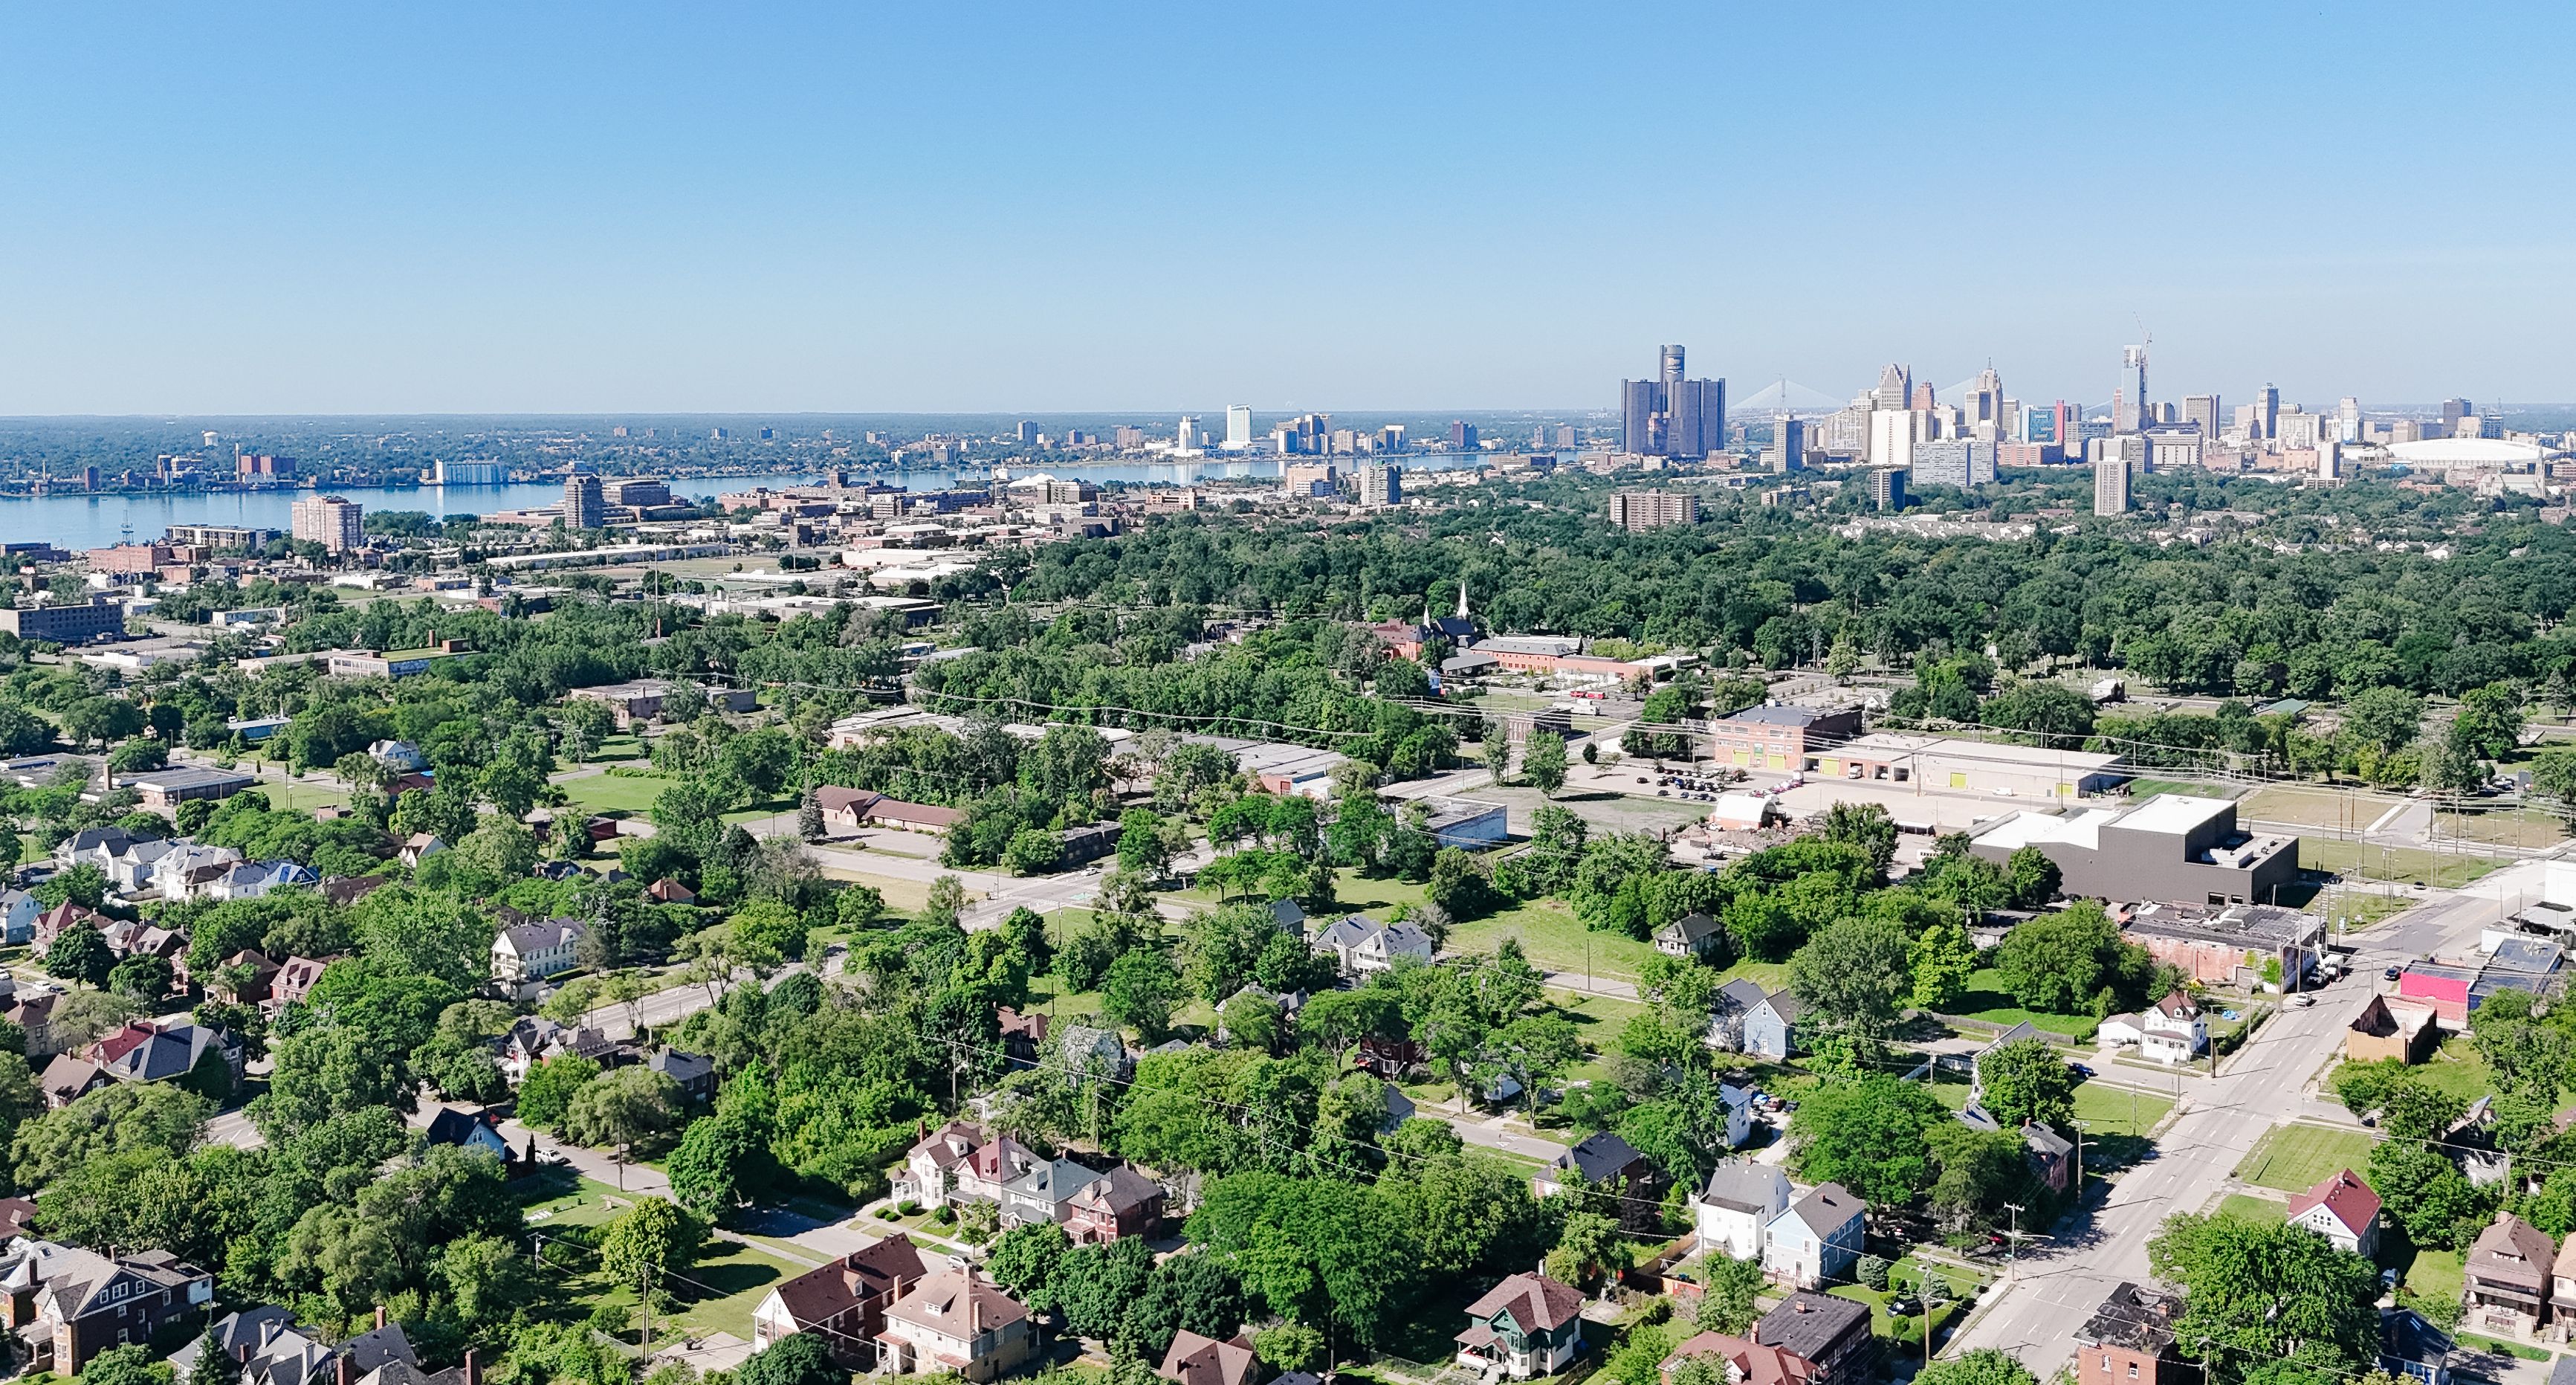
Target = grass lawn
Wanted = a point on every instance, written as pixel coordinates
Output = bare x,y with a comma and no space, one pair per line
2498,1346
1986,999
2444,871
2295,1157
2529,827
766,808
601,793
2436,1275
302,796
2248,1207
2351,910
628,747
2312,807
2141,790
2108,1110
2457,1068
1908,1330
903,895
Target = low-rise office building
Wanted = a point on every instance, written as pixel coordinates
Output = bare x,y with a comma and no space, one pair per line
168,788
1782,738
77,623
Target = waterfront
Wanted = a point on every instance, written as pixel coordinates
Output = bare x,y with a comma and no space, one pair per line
79,520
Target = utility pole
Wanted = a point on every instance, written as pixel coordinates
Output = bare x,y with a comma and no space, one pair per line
645,1288
2012,1242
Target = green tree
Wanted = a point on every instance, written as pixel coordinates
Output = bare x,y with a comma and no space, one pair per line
2266,1290
2553,777
1984,1366
800,1358
718,1159
487,1280
1543,762
2490,719
2056,962
80,954
1854,976
1025,1260
2033,878
1734,1292
652,1238
633,1106
550,1087
2026,1081
1941,959
1868,1134
2384,719
1140,992
125,1365
1868,826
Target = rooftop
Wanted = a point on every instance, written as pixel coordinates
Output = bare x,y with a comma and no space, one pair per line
2245,925
2175,813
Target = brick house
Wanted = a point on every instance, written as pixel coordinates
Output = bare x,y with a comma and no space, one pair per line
68,1305
842,1303
2129,1340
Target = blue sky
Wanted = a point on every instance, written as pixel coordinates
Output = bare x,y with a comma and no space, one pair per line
353,208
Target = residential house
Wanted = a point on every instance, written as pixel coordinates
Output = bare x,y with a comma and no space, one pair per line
1528,1325
1733,1214
1120,1203
2344,1210
95,846
296,978
843,1303
1691,935
162,1051
2129,1340
1771,1028
67,1079
953,1321
1196,1360
1735,1098
695,1073
18,910
1290,916
269,1347
420,847
1816,1240
67,1305
245,978
2412,1348
2050,1155
2399,1030
129,871
1744,1361
466,1128
344,891
1043,1193
34,1012
1362,946
669,891
52,924
930,1169
2507,1277
1611,1166
1728,1009
2173,1030
1084,1050
1021,1036
1831,1332
536,949
248,881
399,756
533,1039
2562,1288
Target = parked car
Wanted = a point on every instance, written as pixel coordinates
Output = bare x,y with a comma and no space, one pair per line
2391,974
2081,1070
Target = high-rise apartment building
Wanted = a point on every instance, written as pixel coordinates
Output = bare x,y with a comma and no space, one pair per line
1238,427
1638,511
2453,410
1673,416
330,521
1381,486
1566,436
1462,435
1887,488
1892,435
1186,438
2110,484
584,506
448,473
1788,443
1127,437
2348,419
1026,434
1961,462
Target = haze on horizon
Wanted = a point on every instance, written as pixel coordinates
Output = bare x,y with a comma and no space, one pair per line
570,210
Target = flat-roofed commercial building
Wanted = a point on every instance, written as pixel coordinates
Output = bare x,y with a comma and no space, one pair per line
1948,764
2173,847
96,618
1781,739
2210,943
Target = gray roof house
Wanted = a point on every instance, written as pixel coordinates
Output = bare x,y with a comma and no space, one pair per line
1771,1029
1733,1214
1691,935
1727,1011
1817,1239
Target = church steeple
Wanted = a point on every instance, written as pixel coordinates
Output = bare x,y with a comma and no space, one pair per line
1462,598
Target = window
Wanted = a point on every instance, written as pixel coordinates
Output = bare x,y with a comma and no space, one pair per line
2133,1370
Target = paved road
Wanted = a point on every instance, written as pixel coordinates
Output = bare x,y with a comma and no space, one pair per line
2035,1314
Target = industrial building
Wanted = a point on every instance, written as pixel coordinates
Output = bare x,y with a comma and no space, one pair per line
2228,943
1949,764
2172,847
1777,738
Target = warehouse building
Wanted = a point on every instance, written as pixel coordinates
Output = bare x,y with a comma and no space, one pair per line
1985,768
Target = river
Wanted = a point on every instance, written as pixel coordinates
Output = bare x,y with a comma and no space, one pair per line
78,520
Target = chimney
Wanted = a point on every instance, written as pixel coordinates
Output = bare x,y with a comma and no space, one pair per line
380,1317
242,1353
473,1368
348,1370
267,1332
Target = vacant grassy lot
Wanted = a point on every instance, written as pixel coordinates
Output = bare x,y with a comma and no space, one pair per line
2323,808
1986,999
2251,1208
2444,871
2109,1110
2294,1157
716,1295
603,793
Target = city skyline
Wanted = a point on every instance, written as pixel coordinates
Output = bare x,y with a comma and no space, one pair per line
487,211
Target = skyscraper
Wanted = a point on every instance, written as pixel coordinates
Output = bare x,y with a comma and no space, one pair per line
1988,419
2203,411
2453,410
1895,389
2348,419
1887,488
1238,427
1673,416
1186,438
1462,435
1381,486
583,505
330,521
1788,443
2129,409
2267,411
1026,433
